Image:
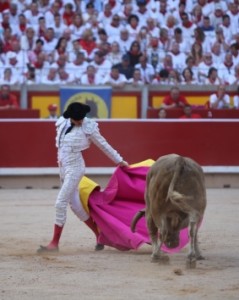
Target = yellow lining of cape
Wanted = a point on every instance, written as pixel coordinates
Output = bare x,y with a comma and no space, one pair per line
87,186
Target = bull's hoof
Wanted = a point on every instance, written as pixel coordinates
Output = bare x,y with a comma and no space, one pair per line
191,263
162,259
200,257
155,258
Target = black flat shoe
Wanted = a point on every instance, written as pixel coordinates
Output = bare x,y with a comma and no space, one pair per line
99,247
44,249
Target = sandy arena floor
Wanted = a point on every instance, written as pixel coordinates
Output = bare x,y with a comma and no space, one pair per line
78,272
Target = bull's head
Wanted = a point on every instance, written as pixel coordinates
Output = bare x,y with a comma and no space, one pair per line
173,223
172,240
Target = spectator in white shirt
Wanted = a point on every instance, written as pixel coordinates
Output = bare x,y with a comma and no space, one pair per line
78,66
163,12
115,79
33,14
188,77
105,16
187,26
216,16
13,14
179,58
115,5
178,38
136,80
51,77
91,77
142,12
123,39
233,13
206,7
236,99
234,78
57,25
65,76
226,68
115,55
152,29
128,10
220,99
50,41
147,71
204,66
217,53
227,29
213,78
28,40
90,12
114,28
16,61
54,11
220,38
8,77
234,50
77,26
101,64
133,26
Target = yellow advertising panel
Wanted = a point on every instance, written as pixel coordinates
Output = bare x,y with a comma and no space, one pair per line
42,102
193,100
124,107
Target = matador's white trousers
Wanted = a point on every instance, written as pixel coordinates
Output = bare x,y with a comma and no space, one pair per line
70,173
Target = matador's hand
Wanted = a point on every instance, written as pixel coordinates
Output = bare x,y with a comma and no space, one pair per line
123,164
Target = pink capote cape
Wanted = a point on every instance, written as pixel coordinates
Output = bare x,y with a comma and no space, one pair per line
114,208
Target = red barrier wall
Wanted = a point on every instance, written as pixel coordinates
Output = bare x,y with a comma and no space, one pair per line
210,142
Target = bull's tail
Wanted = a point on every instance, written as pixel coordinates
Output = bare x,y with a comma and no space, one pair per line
136,218
178,167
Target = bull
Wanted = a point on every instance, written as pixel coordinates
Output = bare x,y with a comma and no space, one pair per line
175,198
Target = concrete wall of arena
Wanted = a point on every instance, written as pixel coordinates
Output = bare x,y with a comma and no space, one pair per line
31,143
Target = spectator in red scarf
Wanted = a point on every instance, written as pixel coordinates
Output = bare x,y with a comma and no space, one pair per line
5,19
4,4
91,77
87,41
68,14
8,39
187,26
21,27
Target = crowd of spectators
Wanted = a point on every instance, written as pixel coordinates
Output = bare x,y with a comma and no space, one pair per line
119,42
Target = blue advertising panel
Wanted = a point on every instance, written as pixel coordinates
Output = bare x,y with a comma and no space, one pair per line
98,98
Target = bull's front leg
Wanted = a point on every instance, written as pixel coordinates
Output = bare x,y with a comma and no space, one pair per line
194,253
153,233
197,249
191,260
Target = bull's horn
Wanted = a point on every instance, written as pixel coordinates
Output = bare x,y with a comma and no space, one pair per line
136,218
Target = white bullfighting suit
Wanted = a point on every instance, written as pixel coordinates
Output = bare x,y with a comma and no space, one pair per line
72,165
